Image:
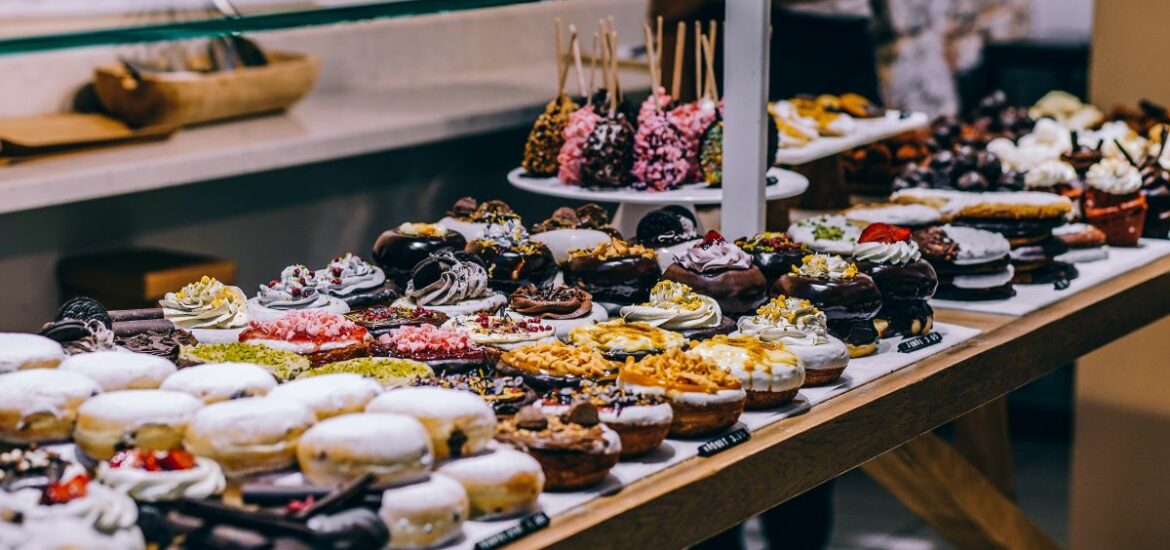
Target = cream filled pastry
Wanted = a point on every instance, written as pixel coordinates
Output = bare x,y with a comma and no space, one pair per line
642,420
849,299
74,497
40,405
675,306
459,423
574,449
320,336
330,395
148,419
501,483
215,382
212,311
446,350
618,339
394,448
723,271
906,281
705,397
355,281
119,370
501,331
826,234
297,289
771,374
28,351
425,515
455,283
248,436
801,327
161,476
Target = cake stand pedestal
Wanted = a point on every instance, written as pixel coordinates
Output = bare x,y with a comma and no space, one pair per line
632,205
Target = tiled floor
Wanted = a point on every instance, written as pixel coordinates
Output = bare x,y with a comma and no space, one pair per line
868,518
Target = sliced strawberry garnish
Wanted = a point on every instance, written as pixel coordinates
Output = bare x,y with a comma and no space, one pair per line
713,237
124,459
177,459
884,233
65,491
150,462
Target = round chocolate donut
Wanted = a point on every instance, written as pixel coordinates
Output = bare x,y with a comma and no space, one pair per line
856,299
625,280
510,268
913,281
397,254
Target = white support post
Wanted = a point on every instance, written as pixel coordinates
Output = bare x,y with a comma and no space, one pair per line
745,85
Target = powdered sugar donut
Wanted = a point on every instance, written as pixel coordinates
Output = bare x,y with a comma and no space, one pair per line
248,436
394,447
330,395
146,419
460,423
499,484
28,351
120,370
215,382
38,406
425,515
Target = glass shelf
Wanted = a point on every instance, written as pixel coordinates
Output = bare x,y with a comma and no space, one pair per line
271,16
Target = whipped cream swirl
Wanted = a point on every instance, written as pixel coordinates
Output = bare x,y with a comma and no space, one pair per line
109,511
206,303
792,321
719,256
1050,173
458,282
348,274
1117,177
204,480
674,306
509,233
824,266
418,229
895,253
296,289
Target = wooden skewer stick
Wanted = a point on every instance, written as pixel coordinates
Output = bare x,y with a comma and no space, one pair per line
709,54
610,58
595,51
613,62
560,56
575,45
698,61
651,56
680,40
658,48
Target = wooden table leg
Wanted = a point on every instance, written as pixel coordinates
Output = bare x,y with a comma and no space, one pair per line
935,482
982,437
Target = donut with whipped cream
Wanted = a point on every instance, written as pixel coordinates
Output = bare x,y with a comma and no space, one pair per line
249,436
641,420
770,373
297,289
320,336
215,382
451,282
802,328
169,475
75,512
502,483
426,514
20,351
40,405
120,370
215,313
330,395
677,307
460,423
704,397
723,271
395,448
147,419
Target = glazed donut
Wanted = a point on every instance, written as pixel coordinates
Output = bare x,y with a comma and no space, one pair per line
460,423
215,382
426,514
330,395
394,447
39,406
499,484
20,351
146,419
248,436
120,370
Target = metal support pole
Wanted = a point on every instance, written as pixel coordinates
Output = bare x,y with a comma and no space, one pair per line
745,85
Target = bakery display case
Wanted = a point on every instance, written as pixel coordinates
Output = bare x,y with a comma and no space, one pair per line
456,274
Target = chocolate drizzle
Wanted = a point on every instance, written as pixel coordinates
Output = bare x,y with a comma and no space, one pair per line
559,302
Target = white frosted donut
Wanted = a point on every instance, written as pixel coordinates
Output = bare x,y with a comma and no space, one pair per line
147,419
394,447
425,514
19,351
330,395
40,405
215,382
830,355
460,423
121,370
499,484
248,436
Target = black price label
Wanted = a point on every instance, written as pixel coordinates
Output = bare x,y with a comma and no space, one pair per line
1061,284
919,342
530,524
725,442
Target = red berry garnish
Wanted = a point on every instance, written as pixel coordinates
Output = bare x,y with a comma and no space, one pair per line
298,505
337,280
337,271
150,462
177,459
712,237
273,283
303,281
297,272
124,458
62,492
295,292
884,233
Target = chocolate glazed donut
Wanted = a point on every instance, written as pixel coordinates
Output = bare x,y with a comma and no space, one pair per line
849,305
624,281
777,264
738,291
397,254
912,281
510,269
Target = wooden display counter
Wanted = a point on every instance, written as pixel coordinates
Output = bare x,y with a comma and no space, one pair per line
702,496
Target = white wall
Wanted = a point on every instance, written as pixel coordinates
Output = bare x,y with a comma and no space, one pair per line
1062,18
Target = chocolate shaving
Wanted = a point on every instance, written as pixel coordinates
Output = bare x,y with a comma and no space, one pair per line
583,414
338,498
530,418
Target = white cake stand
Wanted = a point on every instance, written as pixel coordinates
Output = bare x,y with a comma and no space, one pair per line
632,204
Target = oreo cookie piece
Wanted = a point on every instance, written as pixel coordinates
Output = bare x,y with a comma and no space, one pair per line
84,308
431,269
667,226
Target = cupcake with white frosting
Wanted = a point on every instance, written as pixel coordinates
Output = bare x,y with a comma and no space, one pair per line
801,327
1114,202
297,289
355,281
676,307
